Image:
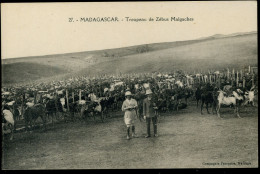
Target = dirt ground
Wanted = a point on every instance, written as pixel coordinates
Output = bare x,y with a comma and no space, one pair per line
186,139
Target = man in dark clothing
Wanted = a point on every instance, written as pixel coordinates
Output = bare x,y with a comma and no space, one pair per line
149,113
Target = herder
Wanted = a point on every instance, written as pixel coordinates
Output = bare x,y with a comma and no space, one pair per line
149,113
130,108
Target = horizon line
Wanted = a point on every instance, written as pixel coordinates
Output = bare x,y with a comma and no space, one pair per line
200,38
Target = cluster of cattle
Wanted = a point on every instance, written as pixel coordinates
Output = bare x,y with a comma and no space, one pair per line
228,96
91,97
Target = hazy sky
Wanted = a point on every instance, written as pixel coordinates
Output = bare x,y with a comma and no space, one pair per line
32,29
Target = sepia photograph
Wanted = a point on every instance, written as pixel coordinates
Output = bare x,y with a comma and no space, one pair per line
129,85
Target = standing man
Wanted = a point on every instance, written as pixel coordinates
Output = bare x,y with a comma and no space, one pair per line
149,107
129,107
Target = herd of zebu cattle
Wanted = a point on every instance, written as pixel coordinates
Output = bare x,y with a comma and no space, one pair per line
102,96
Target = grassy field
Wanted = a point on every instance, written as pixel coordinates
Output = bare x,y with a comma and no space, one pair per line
186,139
214,53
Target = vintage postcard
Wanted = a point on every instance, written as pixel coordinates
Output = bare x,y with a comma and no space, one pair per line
129,85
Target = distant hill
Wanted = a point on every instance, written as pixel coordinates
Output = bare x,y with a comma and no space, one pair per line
21,71
216,36
214,52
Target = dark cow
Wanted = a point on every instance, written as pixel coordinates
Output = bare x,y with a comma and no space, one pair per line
161,103
73,109
208,96
104,102
110,103
53,107
119,99
32,113
16,114
187,94
198,95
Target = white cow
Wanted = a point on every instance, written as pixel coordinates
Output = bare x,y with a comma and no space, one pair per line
10,103
217,72
60,92
249,98
82,102
170,80
98,108
112,87
30,104
198,75
146,85
8,127
92,97
205,78
62,100
179,83
6,93
222,100
119,83
8,116
105,90
49,96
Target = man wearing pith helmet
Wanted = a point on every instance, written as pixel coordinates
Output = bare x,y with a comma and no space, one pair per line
149,107
129,107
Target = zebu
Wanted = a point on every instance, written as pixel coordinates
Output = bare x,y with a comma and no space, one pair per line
249,97
7,123
53,107
183,93
71,110
92,108
119,99
110,103
187,94
233,101
13,107
161,102
31,114
104,103
198,95
207,95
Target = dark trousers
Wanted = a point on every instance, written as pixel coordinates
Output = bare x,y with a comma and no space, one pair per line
148,122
